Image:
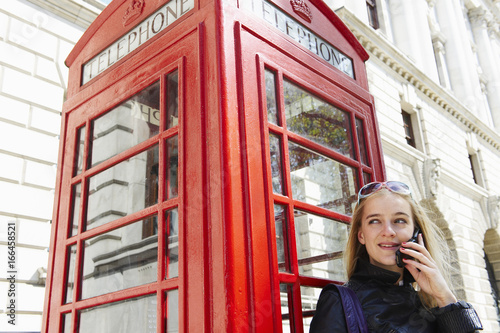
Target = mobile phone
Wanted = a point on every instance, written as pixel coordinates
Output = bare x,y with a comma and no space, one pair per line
400,256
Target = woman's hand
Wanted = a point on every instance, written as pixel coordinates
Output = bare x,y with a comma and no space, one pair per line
426,273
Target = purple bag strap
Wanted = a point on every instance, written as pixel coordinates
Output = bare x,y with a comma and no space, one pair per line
354,318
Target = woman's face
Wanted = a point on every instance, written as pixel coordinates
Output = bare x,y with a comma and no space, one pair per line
386,222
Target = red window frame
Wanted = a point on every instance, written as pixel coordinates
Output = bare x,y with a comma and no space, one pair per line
365,173
163,205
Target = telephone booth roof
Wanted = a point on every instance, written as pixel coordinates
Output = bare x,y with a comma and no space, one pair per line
120,17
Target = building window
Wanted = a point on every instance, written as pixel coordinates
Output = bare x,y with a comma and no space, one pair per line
371,7
408,126
438,43
475,168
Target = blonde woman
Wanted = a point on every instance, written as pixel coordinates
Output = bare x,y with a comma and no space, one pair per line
411,294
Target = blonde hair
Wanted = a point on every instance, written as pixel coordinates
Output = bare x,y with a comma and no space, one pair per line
433,237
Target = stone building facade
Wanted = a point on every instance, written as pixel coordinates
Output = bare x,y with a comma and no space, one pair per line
433,72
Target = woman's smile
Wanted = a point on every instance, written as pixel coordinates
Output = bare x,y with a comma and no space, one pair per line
390,246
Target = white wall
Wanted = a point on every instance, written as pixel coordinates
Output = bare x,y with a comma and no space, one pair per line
33,46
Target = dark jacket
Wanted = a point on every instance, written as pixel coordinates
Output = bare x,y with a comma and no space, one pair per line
390,308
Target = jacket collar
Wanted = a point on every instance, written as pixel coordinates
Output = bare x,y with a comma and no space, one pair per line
366,271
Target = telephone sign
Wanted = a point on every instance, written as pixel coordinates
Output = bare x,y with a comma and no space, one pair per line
298,32
140,34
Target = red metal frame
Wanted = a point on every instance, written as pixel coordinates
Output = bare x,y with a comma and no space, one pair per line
228,272
262,51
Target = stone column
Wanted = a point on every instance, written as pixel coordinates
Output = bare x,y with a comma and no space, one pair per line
460,58
438,42
484,31
412,34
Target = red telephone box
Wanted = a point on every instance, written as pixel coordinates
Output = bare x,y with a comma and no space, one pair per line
210,157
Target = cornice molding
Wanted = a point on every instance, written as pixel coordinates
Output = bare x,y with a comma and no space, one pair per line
79,12
379,47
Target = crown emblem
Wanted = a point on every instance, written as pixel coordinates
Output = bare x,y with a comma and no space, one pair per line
301,8
133,11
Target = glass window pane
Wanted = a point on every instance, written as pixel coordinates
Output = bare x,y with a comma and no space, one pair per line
408,127
123,189
317,120
128,316
127,125
172,311
276,163
309,297
367,178
80,144
70,272
272,104
172,178
66,323
119,259
286,297
320,242
172,99
150,226
321,181
75,207
172,253
281,223
363,152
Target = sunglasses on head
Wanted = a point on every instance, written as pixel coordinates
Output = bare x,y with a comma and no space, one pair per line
393,186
